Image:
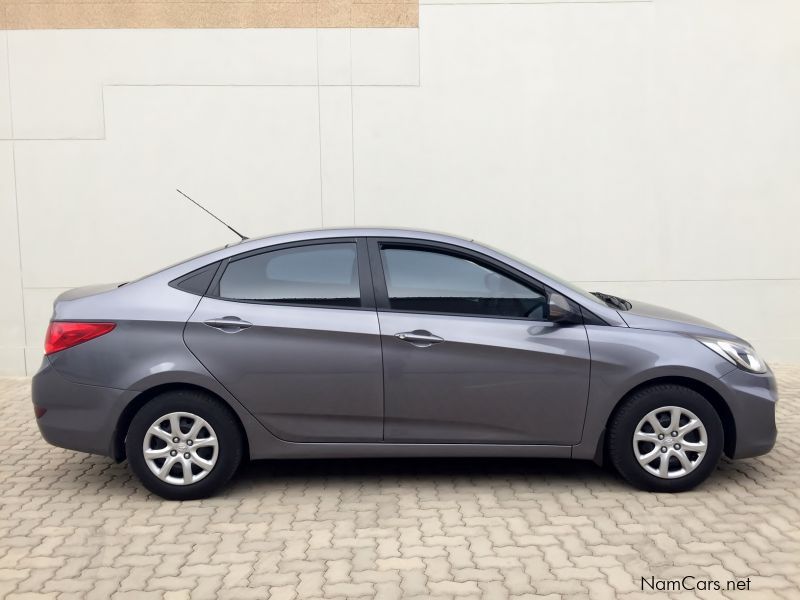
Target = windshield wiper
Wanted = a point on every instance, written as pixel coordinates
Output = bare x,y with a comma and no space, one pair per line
613,301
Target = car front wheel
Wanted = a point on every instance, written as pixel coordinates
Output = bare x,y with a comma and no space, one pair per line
184,445
665,438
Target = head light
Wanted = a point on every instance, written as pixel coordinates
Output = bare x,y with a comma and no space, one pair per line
741,355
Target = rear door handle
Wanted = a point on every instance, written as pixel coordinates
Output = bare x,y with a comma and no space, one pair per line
228,324
419,338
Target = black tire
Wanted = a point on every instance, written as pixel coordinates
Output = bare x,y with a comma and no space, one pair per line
216,414
625,421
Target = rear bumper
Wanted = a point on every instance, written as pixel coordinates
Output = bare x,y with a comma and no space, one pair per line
752,399
78,417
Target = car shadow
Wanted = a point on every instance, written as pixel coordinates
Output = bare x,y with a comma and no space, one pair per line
432,476
526,474
422,471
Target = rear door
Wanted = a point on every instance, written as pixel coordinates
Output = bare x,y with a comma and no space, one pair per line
469,354
292,332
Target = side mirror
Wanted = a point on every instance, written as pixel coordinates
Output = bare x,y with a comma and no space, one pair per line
560,310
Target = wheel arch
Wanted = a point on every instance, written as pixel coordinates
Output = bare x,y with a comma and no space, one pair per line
714,398
143,397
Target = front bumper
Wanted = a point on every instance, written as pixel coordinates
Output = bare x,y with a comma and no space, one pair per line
78,417
752,399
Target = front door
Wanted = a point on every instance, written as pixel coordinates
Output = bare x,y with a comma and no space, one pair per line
469,355
289,333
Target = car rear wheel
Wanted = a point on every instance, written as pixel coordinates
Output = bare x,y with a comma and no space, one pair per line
665,438
184,445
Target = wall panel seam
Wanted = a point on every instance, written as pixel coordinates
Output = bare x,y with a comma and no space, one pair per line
16,204
352,127
319,137
531,2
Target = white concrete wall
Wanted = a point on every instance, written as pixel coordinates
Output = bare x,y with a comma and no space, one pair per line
649,149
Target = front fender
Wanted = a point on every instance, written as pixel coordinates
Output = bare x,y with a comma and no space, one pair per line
625,358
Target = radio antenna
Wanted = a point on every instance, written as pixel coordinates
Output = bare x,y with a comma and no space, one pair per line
244,238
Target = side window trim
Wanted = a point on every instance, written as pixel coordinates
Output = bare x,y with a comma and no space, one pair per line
179,282
364,280
379,276
380,290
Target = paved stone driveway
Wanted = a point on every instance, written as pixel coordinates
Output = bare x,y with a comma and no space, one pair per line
78,526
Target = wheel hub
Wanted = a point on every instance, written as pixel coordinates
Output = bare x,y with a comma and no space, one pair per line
670,442
180,448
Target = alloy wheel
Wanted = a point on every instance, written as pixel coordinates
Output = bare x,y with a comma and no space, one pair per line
670,442
180,448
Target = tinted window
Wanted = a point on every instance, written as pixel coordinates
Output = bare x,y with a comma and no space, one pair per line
324,275
431,282
196,282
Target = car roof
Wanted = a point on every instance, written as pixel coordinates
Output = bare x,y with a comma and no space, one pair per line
331,232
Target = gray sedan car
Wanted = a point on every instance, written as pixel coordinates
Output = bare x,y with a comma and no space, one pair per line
377,343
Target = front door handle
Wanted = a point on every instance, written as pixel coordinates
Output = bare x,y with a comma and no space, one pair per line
228,324
419,338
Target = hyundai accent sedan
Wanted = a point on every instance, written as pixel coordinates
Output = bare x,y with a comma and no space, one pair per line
378,342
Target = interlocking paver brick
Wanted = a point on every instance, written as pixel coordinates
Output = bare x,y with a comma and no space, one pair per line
454,588
349,590
400,563
79,526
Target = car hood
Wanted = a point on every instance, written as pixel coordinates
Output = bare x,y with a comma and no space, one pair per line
649,316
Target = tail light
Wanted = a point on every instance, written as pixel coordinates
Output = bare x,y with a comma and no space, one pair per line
63,334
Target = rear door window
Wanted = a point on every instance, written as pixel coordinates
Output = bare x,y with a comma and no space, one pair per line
308,275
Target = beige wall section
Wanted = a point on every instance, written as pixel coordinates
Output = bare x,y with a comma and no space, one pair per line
136,14
646,149
12,315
